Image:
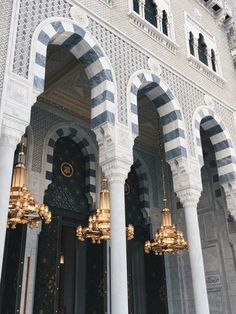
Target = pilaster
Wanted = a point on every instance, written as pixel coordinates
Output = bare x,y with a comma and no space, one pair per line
230,195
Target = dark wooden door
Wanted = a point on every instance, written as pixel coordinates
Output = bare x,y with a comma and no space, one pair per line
12,270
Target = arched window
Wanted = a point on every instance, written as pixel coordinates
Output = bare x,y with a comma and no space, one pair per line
202,49
191,43
213,60
136,6
164,23
151,12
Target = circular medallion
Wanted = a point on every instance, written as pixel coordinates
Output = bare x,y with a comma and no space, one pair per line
67,170
127,188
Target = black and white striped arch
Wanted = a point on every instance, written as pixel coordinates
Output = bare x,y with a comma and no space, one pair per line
220,139
84,47
88,153
168,108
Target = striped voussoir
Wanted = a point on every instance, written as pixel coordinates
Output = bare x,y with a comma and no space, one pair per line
168,109
87,152
85,49
222,144
143,186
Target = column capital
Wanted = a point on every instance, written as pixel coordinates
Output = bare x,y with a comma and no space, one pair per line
11,133
189,197
187,180
116,170
115,150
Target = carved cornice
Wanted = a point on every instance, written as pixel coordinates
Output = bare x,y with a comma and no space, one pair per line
115,150
232,42
189,197
187,181
11,133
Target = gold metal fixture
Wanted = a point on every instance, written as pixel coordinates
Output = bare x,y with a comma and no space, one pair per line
99,224
62,259
22,207
168,238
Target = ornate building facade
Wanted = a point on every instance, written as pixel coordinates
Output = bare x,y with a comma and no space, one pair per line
91,84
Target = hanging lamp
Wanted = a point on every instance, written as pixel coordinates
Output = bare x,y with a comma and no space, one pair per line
22,206
99,224
168,238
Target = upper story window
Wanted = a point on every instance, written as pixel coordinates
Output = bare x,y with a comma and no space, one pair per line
156,12
150,12
199,48
164,22
202,50
191,44
201,45
154,18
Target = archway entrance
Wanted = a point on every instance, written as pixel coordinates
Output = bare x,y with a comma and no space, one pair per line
69,272
147,292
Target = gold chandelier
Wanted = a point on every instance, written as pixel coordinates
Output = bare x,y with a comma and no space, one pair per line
22,207
99,224
168,238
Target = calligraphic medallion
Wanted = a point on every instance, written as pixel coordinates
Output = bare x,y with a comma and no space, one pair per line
67,170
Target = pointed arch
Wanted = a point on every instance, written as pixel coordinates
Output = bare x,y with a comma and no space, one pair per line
84,47
219,136
167,106
87,149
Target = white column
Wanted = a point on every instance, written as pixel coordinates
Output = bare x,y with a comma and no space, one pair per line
115,158
142,8
189,198
119,289
188,186
8,141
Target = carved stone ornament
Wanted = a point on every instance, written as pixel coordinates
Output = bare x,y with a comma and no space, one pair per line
187,181
80,16
154,65
209,101
198,14
230,195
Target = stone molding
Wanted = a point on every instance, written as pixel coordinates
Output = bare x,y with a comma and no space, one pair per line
206,71
115,151
230,195
187,181
11,133
153,32
80,16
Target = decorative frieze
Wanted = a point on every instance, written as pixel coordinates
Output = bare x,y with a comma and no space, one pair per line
232,43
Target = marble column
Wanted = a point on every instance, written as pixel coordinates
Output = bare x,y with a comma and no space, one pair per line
119,289
189,198
10,137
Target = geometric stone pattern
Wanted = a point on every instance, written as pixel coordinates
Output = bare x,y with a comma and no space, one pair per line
168,109
191,100
41,122
31,13
125,60
5,22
